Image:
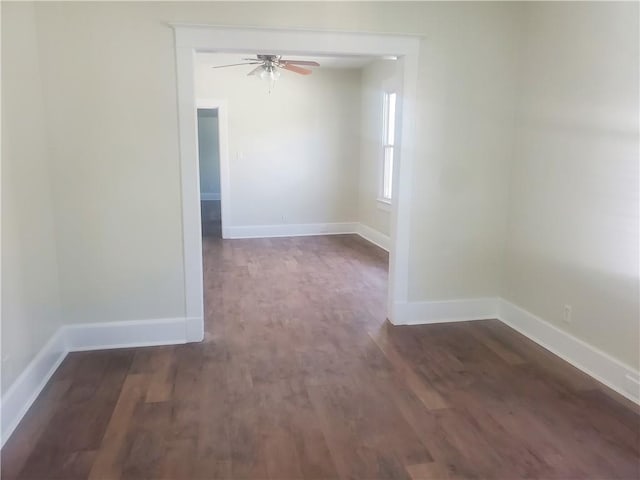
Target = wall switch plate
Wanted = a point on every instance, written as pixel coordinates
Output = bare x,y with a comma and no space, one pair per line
567,314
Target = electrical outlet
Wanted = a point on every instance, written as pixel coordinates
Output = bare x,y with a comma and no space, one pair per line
567,314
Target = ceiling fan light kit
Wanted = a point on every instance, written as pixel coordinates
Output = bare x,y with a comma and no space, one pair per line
270,73
269,67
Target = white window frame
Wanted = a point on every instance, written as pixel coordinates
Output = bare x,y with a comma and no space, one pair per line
385,198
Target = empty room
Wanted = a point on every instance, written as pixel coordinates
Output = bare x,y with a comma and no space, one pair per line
317,240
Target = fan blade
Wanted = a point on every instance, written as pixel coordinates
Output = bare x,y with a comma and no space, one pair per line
293,68
236,64
255,70
300,62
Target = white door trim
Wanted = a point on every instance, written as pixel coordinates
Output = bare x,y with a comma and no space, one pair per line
190,39
223,153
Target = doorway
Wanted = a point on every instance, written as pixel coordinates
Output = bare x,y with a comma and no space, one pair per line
190,39
209,170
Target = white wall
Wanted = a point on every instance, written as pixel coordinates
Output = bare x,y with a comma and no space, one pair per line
30,296
466,94
377,78
110,109
114,63
293,152
208,153
573,231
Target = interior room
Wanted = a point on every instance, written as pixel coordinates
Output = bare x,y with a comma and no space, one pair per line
302,150
400,240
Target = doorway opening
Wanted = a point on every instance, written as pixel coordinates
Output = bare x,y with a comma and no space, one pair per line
209,169
193,39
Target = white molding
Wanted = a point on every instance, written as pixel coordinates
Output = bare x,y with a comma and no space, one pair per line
592,361
26,388
374,236
194,329
307,229
190,183
209,196
400,231
229,38
420,313
190,39
135,333
383,204
289,230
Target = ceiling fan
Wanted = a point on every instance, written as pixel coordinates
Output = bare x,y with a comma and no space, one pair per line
268,66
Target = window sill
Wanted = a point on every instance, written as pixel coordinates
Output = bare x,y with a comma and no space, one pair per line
384,204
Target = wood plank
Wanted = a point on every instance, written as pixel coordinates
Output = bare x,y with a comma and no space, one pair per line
18,448
425,392
108,461
431,471
497,347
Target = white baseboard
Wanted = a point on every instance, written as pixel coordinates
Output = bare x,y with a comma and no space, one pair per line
194,329
83,337
373,236
611,372
594,362
289,230
26,388
307,229
420,313
209,196
136,333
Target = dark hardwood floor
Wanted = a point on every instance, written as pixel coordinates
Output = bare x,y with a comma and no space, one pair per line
300,377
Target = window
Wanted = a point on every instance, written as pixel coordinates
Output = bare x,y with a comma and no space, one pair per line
388,142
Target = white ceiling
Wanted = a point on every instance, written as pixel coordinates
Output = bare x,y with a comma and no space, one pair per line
214,59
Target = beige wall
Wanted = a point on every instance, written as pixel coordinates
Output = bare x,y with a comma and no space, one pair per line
466,95
294,152
108,79
30,296
573,230
110,95
377,78
112,231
